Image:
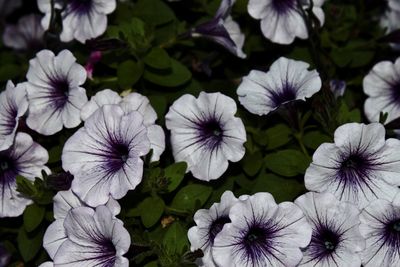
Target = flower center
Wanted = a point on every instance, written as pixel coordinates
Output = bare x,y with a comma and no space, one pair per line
7,169
324,241
81,6
217,226
4,165
395,91
257,240
391,233
60,91
118,156
210,133
355,169
286,94
107,253
396,226
283,6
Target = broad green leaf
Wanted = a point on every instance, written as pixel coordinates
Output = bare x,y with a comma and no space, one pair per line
191,197
175,174
29,244
175,239
154,12
33,216
252,163
345,115
278,136
287,162
176,76
315,138
129,72
283,189
151,210
157,58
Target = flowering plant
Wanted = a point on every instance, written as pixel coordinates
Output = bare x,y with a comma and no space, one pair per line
227,133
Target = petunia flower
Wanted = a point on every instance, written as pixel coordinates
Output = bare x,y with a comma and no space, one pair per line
205,133
336,240
390,20
54,93
287,80
223,30
104,155
94,238
262,233
47,264
380,226
25,158
81,20
26,35
282,20
64,201
131,102
13,105
359,167
208,224
382,87
338,87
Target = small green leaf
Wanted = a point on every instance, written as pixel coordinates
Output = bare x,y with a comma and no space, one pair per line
278,136
175,174
345,115
252,163
175,239
154,12
33,216
176,76
129,72
315,138
191,197
151,210
283,189
29,244
152,264
158,59
287,162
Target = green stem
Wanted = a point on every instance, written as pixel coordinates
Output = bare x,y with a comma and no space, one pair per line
176,211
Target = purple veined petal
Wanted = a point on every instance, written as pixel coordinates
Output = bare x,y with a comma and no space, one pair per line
202,133
287,80
26,35
336,239
281,20
82,20
94,237
262,233
54,93
104,155
359,167
101,98
382,85
13,105
47,264
156,137
26,158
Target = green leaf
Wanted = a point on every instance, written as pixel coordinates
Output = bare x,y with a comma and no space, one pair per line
33,216
29,245
287,162
175,174
252,163
283,189
152,264
129,72
345,115
175,239
158,59
315,138
154,12
191,197
151,210
176,76
55,154
278,136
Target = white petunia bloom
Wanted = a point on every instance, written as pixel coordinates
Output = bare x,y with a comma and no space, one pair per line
81,20
223,30
382,85
205,133
287,80
208,224
282,20
131,102
104,155
26,35
64,201
380,226
262,233
47,264
94,238
391,18
26,158
336,240
359,167
54,93
13,105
